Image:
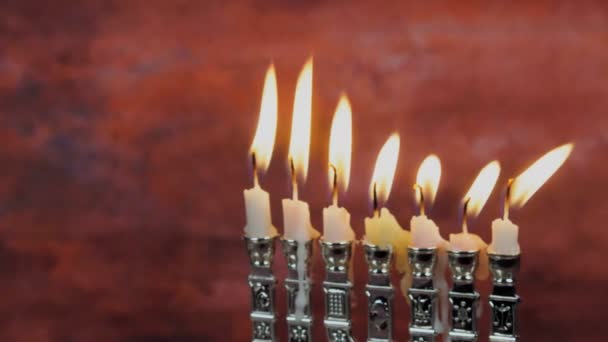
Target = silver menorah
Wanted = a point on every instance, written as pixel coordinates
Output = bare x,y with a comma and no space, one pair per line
338,289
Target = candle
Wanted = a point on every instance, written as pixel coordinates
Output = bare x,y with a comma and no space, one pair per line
257,202
296,214
382,229
474,201
425,233
336,220
519,191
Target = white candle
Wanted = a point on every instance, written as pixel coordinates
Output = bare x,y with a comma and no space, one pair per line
296,220
336,223
336,220
463,242
504,237
296,215
257,207
425,233
473,202
519,191
257,202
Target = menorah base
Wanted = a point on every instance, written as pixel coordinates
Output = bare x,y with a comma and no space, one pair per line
462,337
422,335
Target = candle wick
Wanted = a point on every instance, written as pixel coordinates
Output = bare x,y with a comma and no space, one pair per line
375,200
255,170
294,180
465,212
334,192
420,198
505,213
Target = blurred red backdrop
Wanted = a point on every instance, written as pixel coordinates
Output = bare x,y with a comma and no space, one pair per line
125,126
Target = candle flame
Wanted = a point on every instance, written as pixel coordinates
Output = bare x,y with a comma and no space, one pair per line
384,172
340,144
300,126
263,142
428,178
527,183
481,188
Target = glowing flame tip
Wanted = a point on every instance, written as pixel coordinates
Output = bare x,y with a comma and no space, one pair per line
384,172
263,142
529,181
428,177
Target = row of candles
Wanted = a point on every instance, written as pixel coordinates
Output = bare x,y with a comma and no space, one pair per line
382,228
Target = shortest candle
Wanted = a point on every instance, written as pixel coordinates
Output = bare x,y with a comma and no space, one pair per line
474,201
382,229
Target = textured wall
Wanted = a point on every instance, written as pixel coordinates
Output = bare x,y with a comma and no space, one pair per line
124,129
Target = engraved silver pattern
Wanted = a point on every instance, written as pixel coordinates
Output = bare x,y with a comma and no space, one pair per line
464,299
337,286
262,284
422,294
504,299
379,292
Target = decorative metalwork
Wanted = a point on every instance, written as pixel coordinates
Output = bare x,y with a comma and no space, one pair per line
504,298
422,294
262,284
463,297
379,292
299,319
337,286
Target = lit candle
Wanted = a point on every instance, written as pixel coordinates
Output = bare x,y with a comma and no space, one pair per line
474,201
519,191
257,202
336,220
382,229
296,215
425,233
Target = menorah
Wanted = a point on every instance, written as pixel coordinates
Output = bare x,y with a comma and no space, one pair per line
423,295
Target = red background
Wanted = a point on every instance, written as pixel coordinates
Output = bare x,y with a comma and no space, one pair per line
125,126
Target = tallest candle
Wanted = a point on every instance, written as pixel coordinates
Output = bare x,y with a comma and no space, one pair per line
257,202
296,215
299,232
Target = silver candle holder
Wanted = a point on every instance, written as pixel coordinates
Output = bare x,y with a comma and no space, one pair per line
504,298
423,295
262,284
464,299
379,293
337,287
299,318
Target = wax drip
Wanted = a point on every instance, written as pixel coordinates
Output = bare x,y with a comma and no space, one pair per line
301,300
